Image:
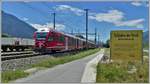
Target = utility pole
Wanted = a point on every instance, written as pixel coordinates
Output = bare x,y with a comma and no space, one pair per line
86,10
99,43
54,20
95,35
72,31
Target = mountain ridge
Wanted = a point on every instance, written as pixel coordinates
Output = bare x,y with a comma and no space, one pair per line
15,27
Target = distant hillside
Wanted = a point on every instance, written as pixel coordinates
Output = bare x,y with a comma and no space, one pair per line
15,27
5,35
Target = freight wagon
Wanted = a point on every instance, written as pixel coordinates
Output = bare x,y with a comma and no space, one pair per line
16,44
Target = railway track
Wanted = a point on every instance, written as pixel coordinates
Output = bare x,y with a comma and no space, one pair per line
9,51
15,53
18,55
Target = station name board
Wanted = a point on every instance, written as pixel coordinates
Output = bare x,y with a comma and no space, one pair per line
126,45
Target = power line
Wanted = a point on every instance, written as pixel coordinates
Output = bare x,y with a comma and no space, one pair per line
60,14
68,21
37,10
54,18
54,14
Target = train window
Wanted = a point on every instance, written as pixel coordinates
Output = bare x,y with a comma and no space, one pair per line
61,38
41,35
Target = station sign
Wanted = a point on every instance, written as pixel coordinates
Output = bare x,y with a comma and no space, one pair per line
126,45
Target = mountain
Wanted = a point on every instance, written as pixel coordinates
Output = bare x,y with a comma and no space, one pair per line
15,27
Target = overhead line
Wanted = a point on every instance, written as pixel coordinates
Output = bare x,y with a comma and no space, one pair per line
37,10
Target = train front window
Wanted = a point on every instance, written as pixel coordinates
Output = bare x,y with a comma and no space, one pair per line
50,39
41,35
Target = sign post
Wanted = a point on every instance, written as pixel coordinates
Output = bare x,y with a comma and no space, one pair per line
126,45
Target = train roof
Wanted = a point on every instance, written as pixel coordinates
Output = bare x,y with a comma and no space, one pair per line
76,37
69,35
43,30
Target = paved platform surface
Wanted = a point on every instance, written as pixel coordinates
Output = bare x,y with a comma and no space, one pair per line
66,73
89,75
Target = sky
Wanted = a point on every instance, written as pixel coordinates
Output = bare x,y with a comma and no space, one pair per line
70,16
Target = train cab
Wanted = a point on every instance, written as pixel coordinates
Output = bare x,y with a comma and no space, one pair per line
49,41
40,39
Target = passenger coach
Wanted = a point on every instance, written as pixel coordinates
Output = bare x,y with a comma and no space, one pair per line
52,40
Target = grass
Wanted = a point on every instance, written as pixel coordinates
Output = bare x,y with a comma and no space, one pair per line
61,60
12,75
117,72
145,54
53,61
146,45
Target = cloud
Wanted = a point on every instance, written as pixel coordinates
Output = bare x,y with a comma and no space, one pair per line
25,19
48,26
132,23
111,16
116,17
136,3
75,10
140,3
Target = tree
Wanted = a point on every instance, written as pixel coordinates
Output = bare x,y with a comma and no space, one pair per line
107,44
5,35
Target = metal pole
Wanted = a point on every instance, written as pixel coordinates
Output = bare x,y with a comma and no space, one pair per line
99,44
86,27
95,36
54,20
72,31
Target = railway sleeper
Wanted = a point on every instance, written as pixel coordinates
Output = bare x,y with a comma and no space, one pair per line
14,48
22,49
4,49
18,48
11,48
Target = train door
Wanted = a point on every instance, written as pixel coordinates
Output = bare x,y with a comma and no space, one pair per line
66,43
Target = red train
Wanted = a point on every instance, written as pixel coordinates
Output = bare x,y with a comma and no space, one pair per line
53,40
